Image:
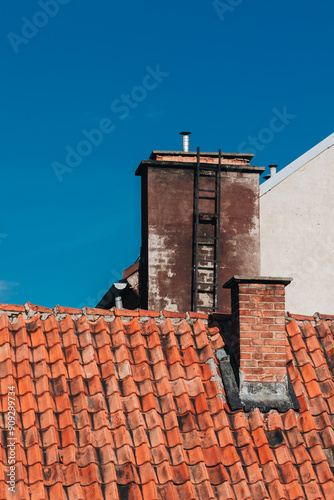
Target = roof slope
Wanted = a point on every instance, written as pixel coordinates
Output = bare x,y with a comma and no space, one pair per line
296,164
131,405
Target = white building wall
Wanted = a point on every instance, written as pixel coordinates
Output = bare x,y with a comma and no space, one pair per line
297,231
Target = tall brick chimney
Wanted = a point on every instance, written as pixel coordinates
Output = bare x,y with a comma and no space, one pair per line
168,181
258,340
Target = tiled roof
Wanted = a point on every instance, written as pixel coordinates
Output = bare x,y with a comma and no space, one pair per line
131,405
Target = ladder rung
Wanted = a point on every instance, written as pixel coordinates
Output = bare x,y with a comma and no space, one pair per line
207,260
206,198
207,284
209,237
202,214
208,190
211,167
206,268
204,244
205,291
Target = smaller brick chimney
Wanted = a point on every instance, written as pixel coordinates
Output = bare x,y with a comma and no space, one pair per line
258,341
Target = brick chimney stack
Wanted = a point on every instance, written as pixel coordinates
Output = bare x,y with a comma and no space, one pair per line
258,340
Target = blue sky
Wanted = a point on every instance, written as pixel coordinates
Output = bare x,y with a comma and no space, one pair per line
240,74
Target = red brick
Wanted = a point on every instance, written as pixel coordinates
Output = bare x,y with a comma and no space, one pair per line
273,342
272,313
257,298
247,363
247,290
267,363
277,328
268,292
259,328
274,371
265,306
257,314
267,378
258,342
280,335
265,321
281,364
266,335
274,356
278,300
250,320
258,349
253,349
251,335
253,305
256,355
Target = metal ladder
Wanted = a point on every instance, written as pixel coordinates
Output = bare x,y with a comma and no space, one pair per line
206,236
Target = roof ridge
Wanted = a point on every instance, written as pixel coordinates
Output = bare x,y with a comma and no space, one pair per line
30,310
296,164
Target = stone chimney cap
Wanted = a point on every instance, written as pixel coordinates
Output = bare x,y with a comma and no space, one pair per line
274,280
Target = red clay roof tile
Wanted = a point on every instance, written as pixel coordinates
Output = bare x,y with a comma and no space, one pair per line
125,312
39,309
92,311
326,316
171,314
11,308
300,317
113,409
67,310
148,314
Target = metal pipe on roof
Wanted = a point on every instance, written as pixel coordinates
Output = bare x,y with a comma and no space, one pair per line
185,141
118,289
273,169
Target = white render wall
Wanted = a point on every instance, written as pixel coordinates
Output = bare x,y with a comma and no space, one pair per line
297,231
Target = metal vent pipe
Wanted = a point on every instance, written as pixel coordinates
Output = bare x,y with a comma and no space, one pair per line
185,141
118,289
273,169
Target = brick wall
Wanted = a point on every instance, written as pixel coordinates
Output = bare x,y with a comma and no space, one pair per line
166,270
258,333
